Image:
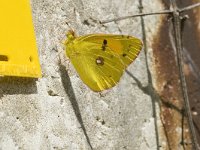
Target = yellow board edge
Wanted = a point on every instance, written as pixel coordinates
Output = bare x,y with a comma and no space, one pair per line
18,49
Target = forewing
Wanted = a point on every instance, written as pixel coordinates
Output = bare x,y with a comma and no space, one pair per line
127,47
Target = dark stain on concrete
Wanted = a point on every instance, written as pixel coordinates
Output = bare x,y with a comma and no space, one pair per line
168,83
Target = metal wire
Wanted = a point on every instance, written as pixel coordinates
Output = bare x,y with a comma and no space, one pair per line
179,50
137,15
151,13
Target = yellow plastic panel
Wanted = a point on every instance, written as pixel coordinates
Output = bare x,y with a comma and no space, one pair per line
18,50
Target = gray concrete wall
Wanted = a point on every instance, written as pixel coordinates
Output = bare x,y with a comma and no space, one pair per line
58,111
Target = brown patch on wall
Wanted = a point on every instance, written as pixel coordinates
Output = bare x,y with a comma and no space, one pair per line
191,44
168,88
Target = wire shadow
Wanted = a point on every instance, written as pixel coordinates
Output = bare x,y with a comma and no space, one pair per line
70,93
148,89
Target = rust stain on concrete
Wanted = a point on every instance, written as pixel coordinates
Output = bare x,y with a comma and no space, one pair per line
168,85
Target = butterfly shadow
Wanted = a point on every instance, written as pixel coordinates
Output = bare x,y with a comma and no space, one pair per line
66,82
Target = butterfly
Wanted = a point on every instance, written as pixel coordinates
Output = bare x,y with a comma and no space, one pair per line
100,59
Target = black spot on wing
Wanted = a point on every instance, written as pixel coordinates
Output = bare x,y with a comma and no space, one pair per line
124,55
100,61
105,42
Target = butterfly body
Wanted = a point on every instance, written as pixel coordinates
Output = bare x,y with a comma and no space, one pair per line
100,59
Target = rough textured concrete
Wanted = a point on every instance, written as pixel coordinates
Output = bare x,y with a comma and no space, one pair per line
58,111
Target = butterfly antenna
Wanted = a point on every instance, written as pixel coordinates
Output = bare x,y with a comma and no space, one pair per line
70,28
68,25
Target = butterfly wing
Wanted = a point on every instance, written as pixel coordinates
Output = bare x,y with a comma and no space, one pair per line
101,59
127,47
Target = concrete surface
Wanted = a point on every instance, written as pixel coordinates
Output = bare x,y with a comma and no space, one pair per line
58,111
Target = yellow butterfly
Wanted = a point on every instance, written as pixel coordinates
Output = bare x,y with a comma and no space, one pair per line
100,59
